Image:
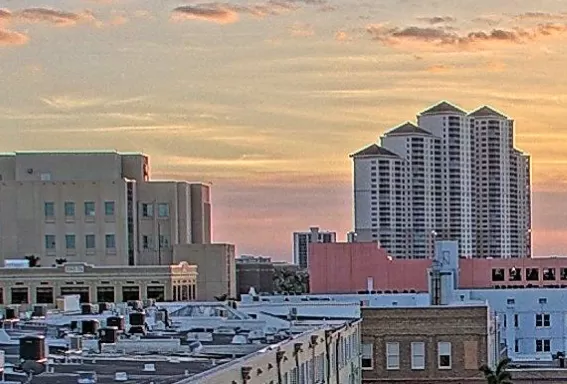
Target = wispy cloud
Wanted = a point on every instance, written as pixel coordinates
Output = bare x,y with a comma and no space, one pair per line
543,16
52,16
437,19
227,13
302,30
444,38
66,102
8,37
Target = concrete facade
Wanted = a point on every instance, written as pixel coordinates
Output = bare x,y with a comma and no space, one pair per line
428,344
324,355
216,266
98,283
453,176
96,207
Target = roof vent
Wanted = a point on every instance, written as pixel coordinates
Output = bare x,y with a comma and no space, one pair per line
121,376
149,368
239,339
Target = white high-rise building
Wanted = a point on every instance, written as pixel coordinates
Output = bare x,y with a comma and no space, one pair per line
454,175
301,241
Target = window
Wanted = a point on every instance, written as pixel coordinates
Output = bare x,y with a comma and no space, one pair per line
90,242
563,273
542,320
516,320
70,242
44,295
510,301
46,176
20,295
89,208
444,354
109,208
367,356
515,274
50,242
392,355
516,346
418,355
549,274
504,321
110,241
163,210
147,242
498,274
69,209
543,345
164,241
49,209
532,274
147,210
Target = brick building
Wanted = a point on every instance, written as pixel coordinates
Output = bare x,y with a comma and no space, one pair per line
427,344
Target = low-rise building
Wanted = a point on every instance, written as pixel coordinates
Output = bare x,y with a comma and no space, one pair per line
262,274
427,344
42,285
216,266
328,354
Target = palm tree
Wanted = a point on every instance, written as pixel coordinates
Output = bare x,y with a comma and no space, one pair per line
498,376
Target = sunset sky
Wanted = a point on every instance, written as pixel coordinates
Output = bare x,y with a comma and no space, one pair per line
267,99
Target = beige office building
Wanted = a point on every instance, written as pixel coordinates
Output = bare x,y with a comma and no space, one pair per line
101,208
98,284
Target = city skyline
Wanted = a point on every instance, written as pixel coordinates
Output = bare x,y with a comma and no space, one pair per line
266,100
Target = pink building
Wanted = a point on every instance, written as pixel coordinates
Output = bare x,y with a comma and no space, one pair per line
348,267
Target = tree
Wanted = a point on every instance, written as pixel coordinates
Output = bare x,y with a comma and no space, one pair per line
60,261
291,280
34,260
498,376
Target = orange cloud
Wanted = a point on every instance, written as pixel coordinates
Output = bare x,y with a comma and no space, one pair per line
12,38
341,36
227,13
52,16
443,38
437,19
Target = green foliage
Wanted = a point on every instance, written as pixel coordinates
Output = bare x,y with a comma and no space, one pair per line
33,259
500,375
290,280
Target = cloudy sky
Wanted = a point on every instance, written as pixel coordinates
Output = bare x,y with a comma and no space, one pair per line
267,99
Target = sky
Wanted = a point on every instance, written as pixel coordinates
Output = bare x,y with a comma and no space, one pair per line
267,99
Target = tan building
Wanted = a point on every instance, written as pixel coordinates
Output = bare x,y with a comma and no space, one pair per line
98,283
325,355
427,344
96,207
216,266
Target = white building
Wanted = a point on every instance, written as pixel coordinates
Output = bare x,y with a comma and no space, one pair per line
96,207
301,241
452,176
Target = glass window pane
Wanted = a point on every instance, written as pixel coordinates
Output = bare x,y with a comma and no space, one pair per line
69,208
49,241
110,241
49,209
90,241
70,241
109,208
89,208
163,209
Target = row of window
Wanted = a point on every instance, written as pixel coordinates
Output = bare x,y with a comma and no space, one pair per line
89,207
531,274
71,242
106,294
541,320
109,242
444,356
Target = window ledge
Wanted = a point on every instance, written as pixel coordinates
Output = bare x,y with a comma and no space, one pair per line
111,251
50,219
90,251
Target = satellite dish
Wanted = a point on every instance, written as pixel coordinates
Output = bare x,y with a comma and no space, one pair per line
33,367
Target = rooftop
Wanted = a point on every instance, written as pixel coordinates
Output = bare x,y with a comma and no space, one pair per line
443,107
408,128
487,111
373,150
